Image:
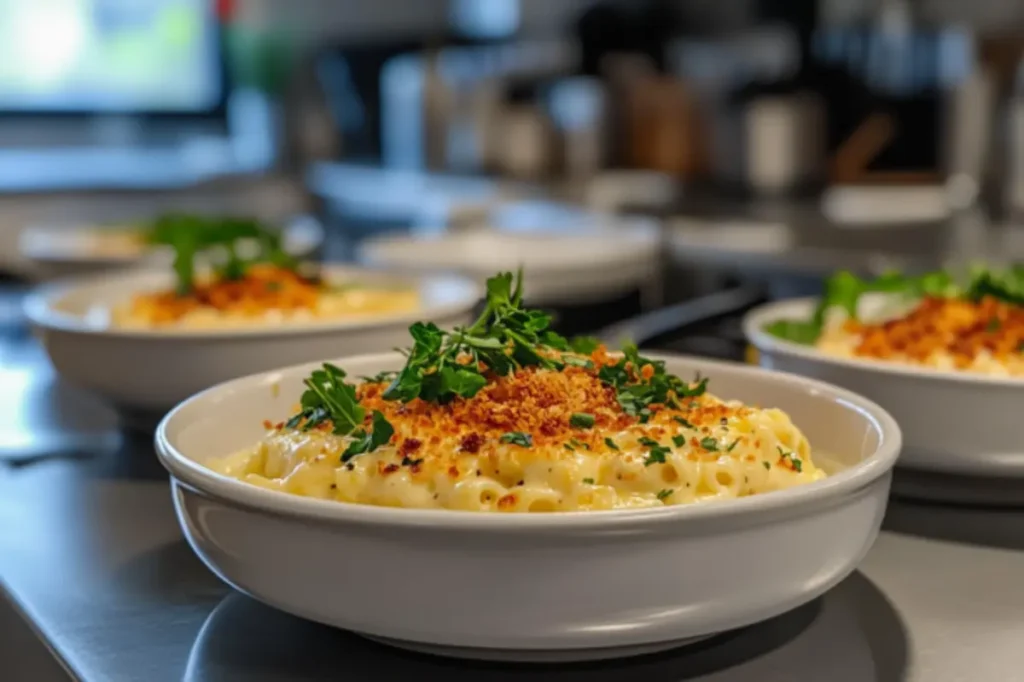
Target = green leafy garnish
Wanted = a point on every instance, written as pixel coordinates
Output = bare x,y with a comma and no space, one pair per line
581,420
656,455
221,237
709,444
636,393
610,443
679,441
584,345
664,494
798,465
443,365
517,438
327,396
732,445
766,465
844,290
364,442
588,481
684,422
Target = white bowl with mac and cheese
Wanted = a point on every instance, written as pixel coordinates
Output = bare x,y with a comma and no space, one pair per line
452,574
959,422
98,338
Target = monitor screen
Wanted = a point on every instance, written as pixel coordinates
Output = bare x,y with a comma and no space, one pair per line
109,56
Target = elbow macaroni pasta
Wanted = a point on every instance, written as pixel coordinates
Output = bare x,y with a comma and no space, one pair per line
745,451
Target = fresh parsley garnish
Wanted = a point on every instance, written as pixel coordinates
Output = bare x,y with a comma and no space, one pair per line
732,445
610,443
638,388
327,396
443,365
844,290
767,465
798,465
679,440
364,442
581,420
684,422
709,444
578,444
665,494
410,462
517,438
656,455
222,238
588,481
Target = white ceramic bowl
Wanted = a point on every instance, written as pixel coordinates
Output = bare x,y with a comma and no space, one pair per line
142,372
569,585
571,266
953,422
55,251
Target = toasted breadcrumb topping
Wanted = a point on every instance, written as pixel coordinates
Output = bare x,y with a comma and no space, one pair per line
959,329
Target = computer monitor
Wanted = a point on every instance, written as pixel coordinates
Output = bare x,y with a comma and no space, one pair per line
110,56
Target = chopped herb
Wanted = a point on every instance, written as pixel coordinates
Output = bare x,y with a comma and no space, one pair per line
649,442
588,481
664,494
581,420
517,438
679,441
584,345
732,445
610,443
368,442
577,361
409,462
766,465
656,455
569,447
798,465
684,422
578,444
709,444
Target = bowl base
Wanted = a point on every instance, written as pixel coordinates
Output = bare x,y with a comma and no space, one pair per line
537,655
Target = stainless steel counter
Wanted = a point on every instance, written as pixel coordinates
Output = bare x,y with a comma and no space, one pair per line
92,559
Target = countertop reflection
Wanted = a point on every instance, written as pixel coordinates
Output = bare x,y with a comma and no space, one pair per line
853,632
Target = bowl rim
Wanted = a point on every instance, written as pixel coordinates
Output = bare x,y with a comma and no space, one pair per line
756,318
643,239
192,474
39,307
28,248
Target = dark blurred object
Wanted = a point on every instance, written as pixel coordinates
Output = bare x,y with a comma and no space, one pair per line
886,88
351,79
643,28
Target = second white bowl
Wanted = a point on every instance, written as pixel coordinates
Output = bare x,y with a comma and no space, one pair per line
149,371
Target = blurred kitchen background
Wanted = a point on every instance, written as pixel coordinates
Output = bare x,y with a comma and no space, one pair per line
768,142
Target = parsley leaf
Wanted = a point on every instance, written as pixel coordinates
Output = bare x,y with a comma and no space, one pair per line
684,422
665,494
581,420
656,455
588,481
517,438
610,443
709,444
679,440
367,442
732,445
327,396
767,465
